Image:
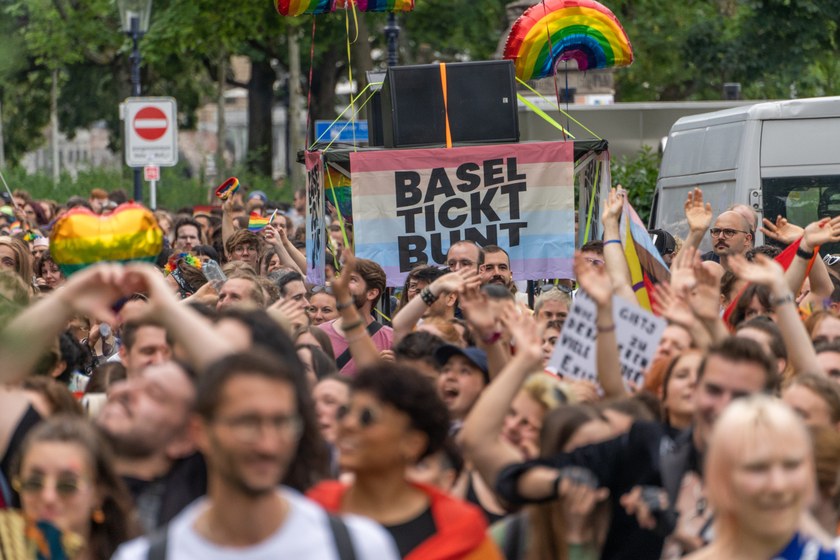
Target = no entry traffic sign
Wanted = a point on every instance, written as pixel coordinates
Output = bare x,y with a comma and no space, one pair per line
151,131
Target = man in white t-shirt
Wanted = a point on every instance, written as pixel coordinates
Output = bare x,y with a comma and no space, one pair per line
253,435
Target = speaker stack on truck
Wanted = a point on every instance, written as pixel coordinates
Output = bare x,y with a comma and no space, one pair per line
412,107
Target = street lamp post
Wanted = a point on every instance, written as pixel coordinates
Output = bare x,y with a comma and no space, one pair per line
134,17
392,36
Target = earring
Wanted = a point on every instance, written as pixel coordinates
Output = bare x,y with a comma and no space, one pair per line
98,516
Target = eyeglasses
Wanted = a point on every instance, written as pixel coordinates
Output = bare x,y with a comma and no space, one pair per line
545,288
66,487
366,416
243,248
726,233
249,428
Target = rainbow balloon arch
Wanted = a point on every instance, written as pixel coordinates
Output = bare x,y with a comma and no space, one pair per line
554,31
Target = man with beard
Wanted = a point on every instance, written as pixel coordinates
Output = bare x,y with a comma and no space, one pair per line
146,419
731,235
366,284
256,427
496,268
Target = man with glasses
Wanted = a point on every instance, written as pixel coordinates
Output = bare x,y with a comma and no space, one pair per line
255,427
731,235
187,235
243,245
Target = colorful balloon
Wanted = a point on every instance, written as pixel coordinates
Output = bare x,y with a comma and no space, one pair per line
581,30
377,5
81,238
301,7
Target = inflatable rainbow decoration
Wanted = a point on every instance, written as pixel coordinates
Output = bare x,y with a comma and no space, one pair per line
81,238
301,7
377,5
553,31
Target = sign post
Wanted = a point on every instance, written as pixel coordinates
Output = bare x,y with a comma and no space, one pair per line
151,136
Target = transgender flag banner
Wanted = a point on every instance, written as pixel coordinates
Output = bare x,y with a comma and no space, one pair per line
410,206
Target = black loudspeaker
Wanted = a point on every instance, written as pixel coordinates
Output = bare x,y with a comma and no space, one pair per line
375,135
481,102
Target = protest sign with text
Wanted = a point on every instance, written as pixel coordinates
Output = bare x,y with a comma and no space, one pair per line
315,224
637,332
410,206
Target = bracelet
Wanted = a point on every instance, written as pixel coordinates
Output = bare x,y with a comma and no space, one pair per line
800,252
776,302
345,305
427,296
493,338
605,329
608,241
352,325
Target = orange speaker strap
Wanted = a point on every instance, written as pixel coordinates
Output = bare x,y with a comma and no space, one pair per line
445,104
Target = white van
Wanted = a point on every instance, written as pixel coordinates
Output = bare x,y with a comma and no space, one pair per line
780,158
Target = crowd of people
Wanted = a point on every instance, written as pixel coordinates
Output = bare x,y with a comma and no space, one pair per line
216,405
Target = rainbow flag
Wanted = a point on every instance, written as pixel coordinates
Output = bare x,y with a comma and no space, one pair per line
81,238
257,223
645,262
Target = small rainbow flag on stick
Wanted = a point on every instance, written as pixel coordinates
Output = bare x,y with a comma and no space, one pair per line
257,223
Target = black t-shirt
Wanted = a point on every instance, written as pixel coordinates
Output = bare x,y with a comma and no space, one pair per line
158,501
410,534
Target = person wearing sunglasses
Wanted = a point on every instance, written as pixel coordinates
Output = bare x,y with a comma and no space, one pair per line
65,476
731,235
394,420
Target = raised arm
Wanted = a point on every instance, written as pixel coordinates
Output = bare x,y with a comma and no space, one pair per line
767,272
228,228
699,218
482,318
446,285
275,237
25,338
191,330
595,281
616,262
480,435
359,342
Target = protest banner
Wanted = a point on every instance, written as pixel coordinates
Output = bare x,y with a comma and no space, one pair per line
410,206
315,223
637,332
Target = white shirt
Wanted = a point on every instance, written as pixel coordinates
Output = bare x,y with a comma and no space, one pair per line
304,535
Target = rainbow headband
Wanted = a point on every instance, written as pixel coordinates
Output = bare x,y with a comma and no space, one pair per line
81,238
581,30
189,258
228,188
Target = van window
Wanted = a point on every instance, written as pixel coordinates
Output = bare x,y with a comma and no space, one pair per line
803,200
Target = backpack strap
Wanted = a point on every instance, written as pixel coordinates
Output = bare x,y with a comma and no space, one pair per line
157,544
341,534
345,356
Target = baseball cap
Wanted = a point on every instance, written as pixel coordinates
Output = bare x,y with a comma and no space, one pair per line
476,356
663,241
258,194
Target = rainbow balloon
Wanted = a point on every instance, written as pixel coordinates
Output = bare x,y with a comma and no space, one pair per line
81,238
301,7
557,30
377,5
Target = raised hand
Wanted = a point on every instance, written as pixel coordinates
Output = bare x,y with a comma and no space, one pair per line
682,269
145,278
457,282
762,270
271,234
478,312
673,304
526,337
782,230
613,207
705,298
594,280
93,290
341,283
821,232
698,215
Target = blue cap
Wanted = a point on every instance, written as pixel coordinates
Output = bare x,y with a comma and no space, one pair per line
258,194
476,356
